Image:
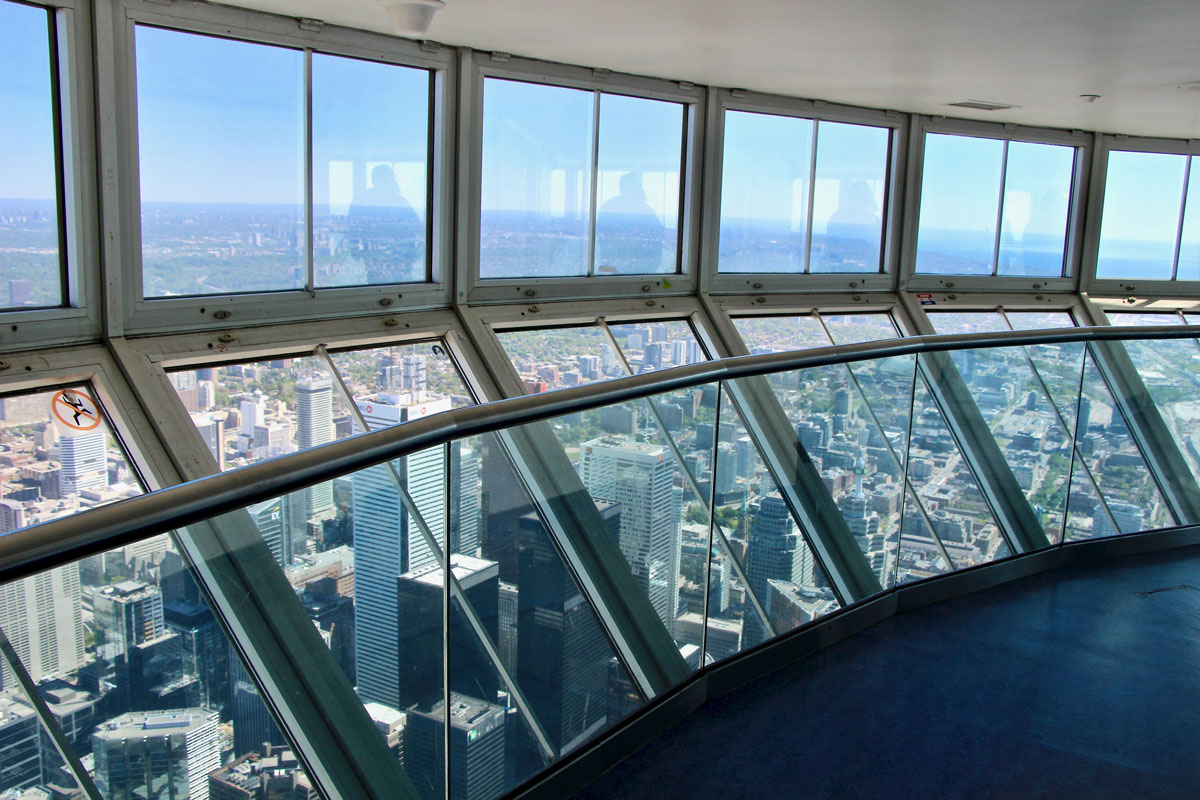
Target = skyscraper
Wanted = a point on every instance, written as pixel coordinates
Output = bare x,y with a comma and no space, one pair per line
42,617
464,498
314,426
211,430
775,551
638,477
562,652
1129,519
274,521
477,734
161,755
388,541
417,664
84,460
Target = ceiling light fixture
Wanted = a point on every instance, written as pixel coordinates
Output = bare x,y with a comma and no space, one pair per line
411,18
983,105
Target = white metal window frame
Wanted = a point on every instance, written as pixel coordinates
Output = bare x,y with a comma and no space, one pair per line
1106,143
478,66
79,319
716,282
135,314
1074,246
919,305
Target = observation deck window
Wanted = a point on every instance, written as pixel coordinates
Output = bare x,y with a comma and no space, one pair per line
578,183
33,252
801,195
994,206
1151,220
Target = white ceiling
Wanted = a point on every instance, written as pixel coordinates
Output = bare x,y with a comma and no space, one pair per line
910,55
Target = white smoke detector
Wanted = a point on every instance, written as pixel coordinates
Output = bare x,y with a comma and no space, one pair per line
411,18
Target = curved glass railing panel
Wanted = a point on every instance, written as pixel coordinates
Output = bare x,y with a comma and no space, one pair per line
511,580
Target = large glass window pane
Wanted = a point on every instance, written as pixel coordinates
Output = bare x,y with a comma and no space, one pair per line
1142,193
30,254
960,189
221,146
766,167
1037,198
536,196
1188,268
524,616
780,334
122,646
554,358
637,191
370,171
848,197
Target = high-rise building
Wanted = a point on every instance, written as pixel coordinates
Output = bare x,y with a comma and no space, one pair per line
477,739
464,498
776,550
502,504
84,462
388,541
416,665
161,755
314,426
212,429
639,477
253,413
273,519
1129,519
128,614
20,751
562,651
42,616
415,373
253,725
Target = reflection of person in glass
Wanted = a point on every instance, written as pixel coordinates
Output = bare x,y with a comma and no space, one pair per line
629,235
389,233
855,221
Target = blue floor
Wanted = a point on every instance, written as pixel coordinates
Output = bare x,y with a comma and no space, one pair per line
1082,682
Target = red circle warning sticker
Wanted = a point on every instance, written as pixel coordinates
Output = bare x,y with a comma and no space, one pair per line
76,410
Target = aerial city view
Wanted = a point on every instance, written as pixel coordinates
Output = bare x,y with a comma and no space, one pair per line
130,659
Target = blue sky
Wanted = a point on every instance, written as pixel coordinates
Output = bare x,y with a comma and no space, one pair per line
26,123
223,121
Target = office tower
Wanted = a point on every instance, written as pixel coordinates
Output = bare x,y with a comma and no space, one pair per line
252,723
314,426
477,737
502,504
211,430
589,367
206,392
679,352
388,541
415,667
187,388
414,371
746,457
1085,418
775,551
638,476
619,419
128,614
464,498
42,616
160,755
204,649
273,519
1129,519
253,412
508,641
652,356
84,462
562,651
272,438
694,353
20,750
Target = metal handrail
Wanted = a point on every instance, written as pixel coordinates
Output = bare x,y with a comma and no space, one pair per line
49,544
